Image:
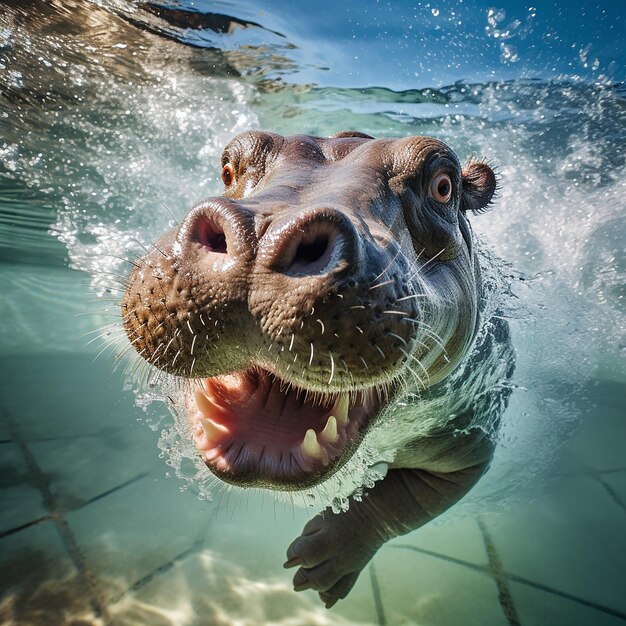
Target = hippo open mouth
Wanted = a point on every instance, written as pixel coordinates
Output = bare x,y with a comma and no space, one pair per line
251,425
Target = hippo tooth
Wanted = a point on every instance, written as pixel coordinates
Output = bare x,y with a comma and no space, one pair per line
330,430
340,410
310,445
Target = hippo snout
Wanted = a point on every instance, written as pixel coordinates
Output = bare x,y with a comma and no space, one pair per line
329,275
304,242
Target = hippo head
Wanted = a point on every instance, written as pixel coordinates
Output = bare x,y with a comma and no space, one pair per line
332,274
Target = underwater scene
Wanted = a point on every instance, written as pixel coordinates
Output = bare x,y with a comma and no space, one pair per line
313,314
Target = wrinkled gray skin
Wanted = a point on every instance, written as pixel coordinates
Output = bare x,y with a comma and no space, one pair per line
331,264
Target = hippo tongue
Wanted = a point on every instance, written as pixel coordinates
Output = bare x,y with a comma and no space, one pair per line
253,414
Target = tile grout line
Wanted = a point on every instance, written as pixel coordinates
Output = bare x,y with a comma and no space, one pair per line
52,516
378,600
495,568
514,578
56,515
17,529
112,490
611,492
615,470
598,477
567,596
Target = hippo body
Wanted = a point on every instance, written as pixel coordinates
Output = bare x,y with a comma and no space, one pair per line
334,277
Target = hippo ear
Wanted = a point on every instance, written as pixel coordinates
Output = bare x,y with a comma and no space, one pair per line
480,185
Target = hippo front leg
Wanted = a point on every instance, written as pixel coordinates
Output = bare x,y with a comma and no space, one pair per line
334,548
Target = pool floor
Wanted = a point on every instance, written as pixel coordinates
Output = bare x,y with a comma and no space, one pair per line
92,531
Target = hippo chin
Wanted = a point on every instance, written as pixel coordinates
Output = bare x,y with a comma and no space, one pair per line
333,275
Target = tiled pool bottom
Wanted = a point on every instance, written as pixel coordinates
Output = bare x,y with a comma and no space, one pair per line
92,532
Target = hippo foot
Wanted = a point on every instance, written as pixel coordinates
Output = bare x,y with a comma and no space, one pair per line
331,554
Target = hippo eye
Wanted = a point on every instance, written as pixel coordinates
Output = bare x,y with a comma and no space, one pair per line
228,174
441,188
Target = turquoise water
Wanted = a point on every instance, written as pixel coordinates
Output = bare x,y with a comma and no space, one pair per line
112,121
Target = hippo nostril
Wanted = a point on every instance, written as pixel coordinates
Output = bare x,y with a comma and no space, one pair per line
210,235
309,252
312,251
313,243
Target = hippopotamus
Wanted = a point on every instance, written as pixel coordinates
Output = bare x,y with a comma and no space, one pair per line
332,278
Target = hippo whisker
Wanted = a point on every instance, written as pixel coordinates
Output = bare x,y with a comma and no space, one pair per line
319,321
160,251
412,320
99,311
377,347
332,368
390,263
408,355
158,326
153,358
387,282
429,334
120,279
103,299
126,260
393,312
147,250
419,381
160,284
347,369
435,337
100,336
106,346
169,343
311,357
169,211
413,295
112,325
140,375
135,340
138,363
432,258
400,339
